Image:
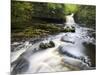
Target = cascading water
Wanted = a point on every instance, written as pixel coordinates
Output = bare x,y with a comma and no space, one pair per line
70,21
67,55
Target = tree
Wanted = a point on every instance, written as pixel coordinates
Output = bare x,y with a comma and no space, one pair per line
21,11
86,15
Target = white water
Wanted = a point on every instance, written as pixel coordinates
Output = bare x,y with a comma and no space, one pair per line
50,60
70,21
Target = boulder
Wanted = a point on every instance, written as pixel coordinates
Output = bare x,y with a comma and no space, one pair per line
46,45
52,44
21,66
68,39
68,29
42,46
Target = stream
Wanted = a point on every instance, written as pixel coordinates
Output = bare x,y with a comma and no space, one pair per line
72,52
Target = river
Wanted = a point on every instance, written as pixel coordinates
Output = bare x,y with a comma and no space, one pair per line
72,51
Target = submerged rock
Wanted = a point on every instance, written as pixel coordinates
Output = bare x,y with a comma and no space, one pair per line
76,63
68,39
21,66
81,62
65,52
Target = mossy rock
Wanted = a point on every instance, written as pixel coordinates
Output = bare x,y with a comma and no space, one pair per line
52,44
46,45
42,46
68,29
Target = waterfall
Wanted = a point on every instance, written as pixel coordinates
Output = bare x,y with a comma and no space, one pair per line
70,21
67,55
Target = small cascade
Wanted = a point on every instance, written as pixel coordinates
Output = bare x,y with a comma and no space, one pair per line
70,21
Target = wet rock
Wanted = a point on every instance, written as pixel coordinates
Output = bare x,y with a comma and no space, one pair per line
35,50
79,62
86,60
52,44
42,46
68,39
46,45
20,67
32,41
16,47
65,52
68,29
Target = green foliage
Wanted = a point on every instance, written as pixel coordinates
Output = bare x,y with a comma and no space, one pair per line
27,17
49,10
28,11
86,15
21,11
71,8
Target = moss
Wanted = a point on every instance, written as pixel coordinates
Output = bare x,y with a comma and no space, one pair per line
86,15
67,29
46,45
51,44
37,30
42,46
